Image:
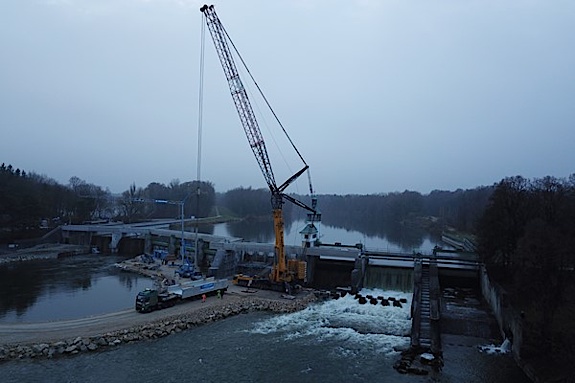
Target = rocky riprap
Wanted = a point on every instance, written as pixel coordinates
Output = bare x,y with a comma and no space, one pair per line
46,251
152,330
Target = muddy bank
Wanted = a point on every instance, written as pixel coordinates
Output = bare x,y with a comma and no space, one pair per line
45,251
155,328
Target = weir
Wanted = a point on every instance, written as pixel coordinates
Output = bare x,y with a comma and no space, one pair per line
389,278
328,267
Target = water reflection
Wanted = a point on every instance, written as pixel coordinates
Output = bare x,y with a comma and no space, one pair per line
255,230
390,237
126,280
90,285
67,288
404,236
20,287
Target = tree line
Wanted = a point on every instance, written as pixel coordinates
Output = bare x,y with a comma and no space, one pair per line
460,208
526,239
29,200
250,203
164,201
377,214
31,203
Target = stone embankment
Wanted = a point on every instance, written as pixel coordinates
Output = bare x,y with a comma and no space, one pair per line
46,251
152,330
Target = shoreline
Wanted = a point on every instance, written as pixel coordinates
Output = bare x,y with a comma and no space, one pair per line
49,340
45,251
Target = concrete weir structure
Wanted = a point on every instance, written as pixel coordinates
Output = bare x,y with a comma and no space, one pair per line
328,266
333,268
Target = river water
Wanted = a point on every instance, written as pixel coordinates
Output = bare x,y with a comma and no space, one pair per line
68,288
336,341
88,285
263,232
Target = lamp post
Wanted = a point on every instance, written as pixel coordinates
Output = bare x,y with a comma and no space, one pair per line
183,245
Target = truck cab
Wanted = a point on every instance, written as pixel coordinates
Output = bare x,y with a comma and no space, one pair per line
151,299
147,300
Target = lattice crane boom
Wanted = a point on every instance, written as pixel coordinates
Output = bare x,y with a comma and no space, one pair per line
255,139
239,95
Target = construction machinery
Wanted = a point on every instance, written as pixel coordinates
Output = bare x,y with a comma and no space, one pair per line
163,297
284,274
188,270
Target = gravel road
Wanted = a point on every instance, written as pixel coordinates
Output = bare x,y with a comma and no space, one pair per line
28,333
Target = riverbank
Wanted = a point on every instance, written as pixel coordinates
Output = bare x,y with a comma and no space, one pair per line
59,339
44,251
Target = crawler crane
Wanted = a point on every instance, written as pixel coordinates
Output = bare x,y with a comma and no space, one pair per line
284,274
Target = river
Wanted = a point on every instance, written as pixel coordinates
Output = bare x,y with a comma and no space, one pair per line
88,285
263,232
68,288
335,341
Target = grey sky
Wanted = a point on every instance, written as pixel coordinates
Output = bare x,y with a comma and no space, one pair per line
378,96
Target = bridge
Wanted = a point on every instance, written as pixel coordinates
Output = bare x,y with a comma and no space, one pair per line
110,234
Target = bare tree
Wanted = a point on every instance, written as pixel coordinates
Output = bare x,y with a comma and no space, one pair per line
131,208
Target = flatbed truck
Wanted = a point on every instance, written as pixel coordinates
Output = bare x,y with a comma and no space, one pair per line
154,299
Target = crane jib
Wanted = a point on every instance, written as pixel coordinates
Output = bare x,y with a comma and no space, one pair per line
239,95
242,103
280,273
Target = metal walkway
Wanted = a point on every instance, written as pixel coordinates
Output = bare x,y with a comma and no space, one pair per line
425,307
425,310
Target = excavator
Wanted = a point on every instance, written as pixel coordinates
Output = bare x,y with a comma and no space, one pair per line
284,275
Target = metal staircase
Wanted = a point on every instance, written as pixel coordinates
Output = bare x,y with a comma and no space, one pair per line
425,309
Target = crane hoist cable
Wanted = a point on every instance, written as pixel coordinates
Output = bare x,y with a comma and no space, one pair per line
263,95
255,138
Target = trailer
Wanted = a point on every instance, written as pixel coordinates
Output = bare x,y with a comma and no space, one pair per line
196,288
153,299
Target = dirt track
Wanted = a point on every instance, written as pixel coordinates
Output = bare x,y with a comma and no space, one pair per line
28,333
45,332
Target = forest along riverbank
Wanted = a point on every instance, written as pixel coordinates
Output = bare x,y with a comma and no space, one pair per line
38,340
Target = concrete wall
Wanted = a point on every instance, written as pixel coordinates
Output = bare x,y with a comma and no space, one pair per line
510,323
131,246
77,238
416,305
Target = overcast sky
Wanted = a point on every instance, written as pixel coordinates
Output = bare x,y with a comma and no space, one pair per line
378,96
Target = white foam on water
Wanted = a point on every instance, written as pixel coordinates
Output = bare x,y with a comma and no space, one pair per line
352,325
492,349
